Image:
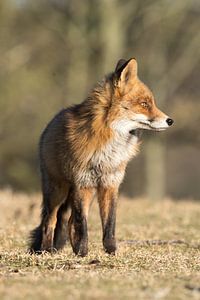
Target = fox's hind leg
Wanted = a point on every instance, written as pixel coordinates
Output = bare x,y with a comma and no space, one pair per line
53,201
53,197
61,230
81,199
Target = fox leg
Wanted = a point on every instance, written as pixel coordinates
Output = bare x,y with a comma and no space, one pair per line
107,198
78,235
52,202
61,230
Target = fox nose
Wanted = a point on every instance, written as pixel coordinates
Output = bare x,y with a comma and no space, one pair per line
169,121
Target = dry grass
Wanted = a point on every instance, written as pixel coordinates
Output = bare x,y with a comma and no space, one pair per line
140,270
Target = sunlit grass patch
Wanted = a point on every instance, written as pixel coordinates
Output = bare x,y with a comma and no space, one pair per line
158,254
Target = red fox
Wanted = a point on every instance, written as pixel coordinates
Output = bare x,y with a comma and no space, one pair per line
84,151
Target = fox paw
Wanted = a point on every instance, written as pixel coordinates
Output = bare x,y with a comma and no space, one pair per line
110,246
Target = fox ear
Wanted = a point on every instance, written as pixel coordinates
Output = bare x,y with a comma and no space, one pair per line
119,65
125,71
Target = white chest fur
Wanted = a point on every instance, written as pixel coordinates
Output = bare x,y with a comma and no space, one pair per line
119,150
105,166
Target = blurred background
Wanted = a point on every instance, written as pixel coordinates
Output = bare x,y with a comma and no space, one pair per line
53,51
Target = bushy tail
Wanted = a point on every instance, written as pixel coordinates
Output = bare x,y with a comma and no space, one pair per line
35,240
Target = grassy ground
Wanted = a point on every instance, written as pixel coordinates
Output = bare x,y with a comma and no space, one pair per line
158,254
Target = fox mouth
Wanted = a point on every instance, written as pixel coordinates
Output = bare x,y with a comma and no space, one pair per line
147,125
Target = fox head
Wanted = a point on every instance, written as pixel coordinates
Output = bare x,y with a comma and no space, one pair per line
133,104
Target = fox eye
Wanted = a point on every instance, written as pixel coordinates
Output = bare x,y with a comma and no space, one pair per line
144,104
125,107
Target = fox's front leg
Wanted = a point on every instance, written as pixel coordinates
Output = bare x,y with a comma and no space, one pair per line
108,203
81,200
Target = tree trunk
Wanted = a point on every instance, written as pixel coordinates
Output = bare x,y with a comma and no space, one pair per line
155,169
112,34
